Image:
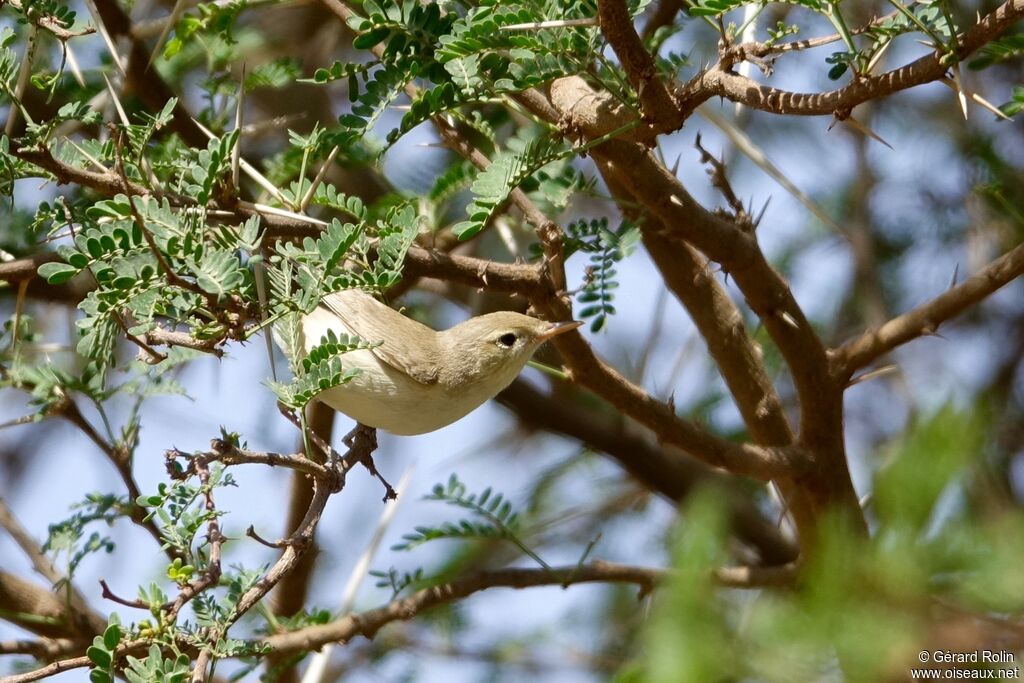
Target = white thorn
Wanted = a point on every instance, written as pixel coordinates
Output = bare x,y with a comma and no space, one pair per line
561,23
284,213
117,102
236,152
867,131
102,29
981,101
867,376
304,204
250,171
23,76
961,97
789,320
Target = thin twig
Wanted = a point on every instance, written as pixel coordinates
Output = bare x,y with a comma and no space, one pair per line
368,623
59,29
926,319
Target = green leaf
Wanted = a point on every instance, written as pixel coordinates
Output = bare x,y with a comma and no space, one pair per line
111,637
123,282
837,71
371,38
505,173
57,273
99,676
465,73
999,50
705,8
98,656
218,272
1016,103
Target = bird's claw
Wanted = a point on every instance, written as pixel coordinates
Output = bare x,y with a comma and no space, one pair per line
362,442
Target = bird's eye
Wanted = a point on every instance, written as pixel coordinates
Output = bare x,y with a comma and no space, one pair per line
507,340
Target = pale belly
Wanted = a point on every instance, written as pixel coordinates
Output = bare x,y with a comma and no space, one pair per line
381,396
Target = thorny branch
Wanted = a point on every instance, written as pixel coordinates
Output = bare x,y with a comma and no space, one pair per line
720,81
119,455
655,100
926,319
327,481
49,23
719,321
370,622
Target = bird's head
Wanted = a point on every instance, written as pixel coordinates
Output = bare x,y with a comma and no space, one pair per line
493,348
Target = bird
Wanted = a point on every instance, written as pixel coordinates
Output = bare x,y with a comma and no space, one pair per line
413,379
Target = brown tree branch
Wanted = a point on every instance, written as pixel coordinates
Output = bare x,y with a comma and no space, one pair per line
78,619
289,597
369,622
159,336
420,262
737,357
767,293
42,649
719,322
136,647
656,103
664,198
664,14
39,610
718,82
522,278
757,50
604,380
49,23
660,468
25,268
927,318
228,454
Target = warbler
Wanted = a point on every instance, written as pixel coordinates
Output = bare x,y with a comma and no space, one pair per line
414,379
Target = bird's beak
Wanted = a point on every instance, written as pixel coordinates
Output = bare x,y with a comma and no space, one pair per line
557,329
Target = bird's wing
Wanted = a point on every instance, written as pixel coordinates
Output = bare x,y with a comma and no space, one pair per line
402,343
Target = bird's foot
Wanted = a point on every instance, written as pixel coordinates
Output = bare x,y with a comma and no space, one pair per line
362,442
369,435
